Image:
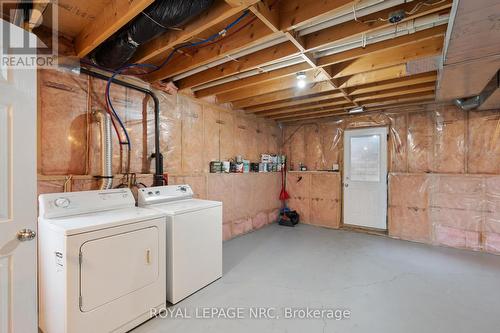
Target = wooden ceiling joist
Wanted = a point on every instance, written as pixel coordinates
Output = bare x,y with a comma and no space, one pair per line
116,14
255,60
253,80
307,108
394,83
315,114
267,87
294,102
268,12
393,72
425,87
400,99
394,56
160,47
376,21
382,46
286,94
294,13
251,35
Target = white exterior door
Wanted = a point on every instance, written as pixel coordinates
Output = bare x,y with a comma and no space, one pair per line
365,177
18,293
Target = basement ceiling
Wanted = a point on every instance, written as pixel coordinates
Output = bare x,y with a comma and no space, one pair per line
350,53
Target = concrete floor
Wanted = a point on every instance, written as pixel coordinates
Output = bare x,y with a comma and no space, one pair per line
387,285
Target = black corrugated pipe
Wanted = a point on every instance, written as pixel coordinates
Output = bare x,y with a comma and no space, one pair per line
158,176
159,17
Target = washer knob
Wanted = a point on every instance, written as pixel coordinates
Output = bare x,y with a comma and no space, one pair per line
62,202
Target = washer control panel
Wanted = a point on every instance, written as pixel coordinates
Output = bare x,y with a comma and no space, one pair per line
159,194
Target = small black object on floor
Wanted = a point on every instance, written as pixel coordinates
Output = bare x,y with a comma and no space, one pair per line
289,218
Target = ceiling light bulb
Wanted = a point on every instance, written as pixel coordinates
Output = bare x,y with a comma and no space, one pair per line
301,76
301,83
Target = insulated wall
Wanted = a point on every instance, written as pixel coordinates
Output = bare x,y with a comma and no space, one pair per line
193,133
444,167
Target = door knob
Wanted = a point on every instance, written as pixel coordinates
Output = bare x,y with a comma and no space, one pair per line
26,235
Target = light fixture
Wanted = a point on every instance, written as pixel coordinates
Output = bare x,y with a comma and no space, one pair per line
358,109
301,79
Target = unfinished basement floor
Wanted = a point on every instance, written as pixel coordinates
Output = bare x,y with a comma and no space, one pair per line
388,285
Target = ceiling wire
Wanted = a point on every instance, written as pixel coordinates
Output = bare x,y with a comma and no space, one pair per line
412,11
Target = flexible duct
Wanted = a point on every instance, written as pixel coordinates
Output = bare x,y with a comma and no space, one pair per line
106,177
158,18
158,179
474,102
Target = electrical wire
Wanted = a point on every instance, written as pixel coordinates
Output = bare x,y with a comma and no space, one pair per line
412,11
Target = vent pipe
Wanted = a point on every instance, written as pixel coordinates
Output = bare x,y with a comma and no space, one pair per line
476,101
106,177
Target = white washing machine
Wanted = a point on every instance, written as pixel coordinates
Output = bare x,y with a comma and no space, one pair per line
101,262
194,238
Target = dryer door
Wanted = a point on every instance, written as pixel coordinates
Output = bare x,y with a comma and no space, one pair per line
112,267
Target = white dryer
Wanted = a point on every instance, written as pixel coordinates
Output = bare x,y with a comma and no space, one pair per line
194,238
101,262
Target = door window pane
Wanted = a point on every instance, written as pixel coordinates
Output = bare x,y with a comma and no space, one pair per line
365,158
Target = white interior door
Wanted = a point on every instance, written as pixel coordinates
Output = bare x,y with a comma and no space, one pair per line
365,177
18,293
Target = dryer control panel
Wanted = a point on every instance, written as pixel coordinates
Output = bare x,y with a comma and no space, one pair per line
55,205
161,194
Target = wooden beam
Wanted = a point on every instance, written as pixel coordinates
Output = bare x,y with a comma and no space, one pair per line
217,14
295,102
294,13
395,56
424,98
400,99
253,80
252,34
286,94
37,11
314,114
267,87
425,87
114,16
394,83
257,59
382,46
311,107
352,28
239,3
268,13
388,73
